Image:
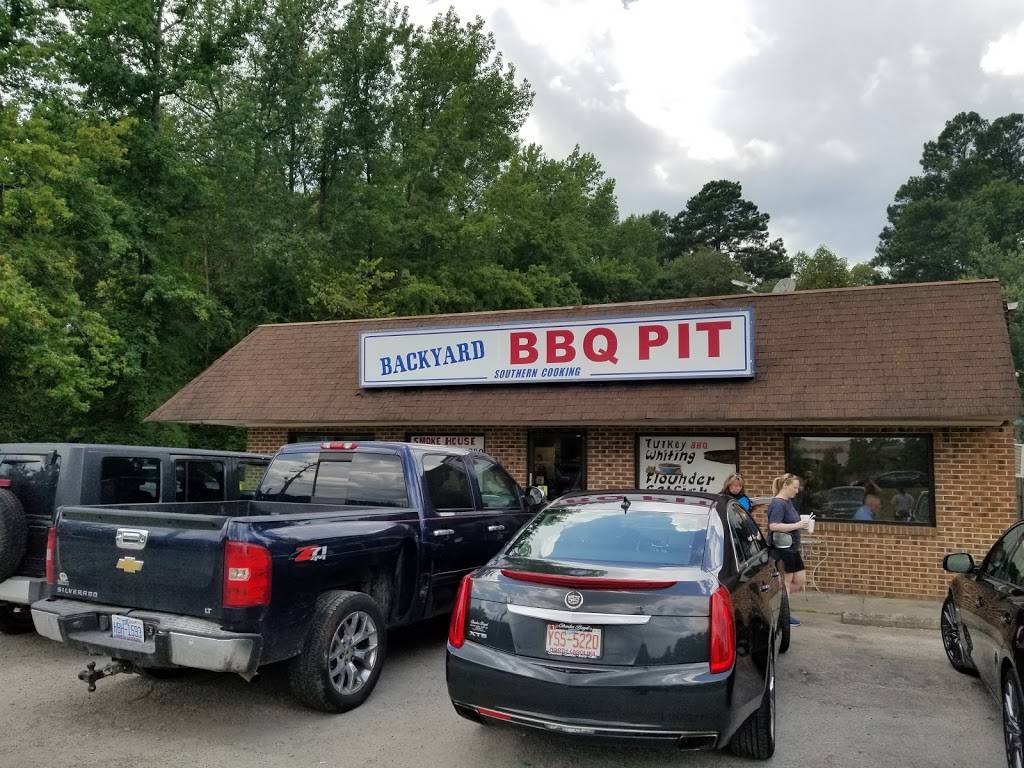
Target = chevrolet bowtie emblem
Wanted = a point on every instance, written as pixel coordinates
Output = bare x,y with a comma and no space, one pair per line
129,565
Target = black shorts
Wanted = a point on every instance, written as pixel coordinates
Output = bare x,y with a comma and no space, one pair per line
791,560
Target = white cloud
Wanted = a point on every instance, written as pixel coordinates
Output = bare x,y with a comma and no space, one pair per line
921,56
881,73
839,150
1005,56
660,172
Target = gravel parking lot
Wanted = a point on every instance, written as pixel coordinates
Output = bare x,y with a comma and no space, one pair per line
848,696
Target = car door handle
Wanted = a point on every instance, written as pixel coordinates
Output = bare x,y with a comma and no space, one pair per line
495,528
764,587
444,532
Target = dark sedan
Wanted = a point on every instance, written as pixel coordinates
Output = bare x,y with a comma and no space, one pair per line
982,625
626,615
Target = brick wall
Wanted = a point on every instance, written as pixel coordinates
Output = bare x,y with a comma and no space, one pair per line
974,496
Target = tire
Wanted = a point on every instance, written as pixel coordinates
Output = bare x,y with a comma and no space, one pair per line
16,619
13,533
952,639
1013,720
343,654
785,630
756,737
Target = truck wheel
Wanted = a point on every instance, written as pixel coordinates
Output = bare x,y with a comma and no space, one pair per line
13,532
342,655
15,619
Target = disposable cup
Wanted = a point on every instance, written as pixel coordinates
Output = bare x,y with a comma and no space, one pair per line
810,527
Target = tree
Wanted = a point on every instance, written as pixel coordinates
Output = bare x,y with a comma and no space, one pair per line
824,269
969,193
703,272
718,217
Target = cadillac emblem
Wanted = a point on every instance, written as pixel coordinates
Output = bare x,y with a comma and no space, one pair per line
573,600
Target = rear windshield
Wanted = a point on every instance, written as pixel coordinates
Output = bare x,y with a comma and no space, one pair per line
648,535
363,479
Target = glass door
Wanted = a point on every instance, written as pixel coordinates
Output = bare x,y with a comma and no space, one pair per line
558,461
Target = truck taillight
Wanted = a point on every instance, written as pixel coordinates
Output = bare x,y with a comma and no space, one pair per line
345,446
457,628
51,556
723,631
246,575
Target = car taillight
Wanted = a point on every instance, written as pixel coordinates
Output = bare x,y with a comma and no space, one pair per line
584,582
246,575
457,628
723,631
5,483
51,556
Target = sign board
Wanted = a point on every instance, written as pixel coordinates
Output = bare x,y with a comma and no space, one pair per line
685,463
681,345
472,442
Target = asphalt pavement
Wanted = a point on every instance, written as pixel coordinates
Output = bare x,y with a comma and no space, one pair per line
848,696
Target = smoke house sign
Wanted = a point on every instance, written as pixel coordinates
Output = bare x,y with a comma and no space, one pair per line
678,463
681,345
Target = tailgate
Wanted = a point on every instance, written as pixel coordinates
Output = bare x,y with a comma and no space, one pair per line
154,560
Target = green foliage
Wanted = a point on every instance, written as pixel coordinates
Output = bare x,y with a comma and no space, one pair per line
824,269
963,216
718,217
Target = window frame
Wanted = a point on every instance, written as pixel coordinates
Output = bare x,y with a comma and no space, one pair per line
470,481
160,479
183,461
744,561
928,437
517,505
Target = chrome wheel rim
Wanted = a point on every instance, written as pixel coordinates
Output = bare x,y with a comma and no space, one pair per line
353,653
1012,724
951,635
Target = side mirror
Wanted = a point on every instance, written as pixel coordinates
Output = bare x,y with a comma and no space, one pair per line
535,496
958,562
781,540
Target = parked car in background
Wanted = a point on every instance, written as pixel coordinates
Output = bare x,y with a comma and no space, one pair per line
342,542
38,478
627,615
982,623
844,500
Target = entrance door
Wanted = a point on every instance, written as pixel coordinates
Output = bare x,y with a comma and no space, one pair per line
558,461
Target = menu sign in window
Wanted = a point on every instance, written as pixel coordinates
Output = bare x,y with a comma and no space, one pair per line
685,463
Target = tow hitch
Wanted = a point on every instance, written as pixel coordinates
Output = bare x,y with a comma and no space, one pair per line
90,675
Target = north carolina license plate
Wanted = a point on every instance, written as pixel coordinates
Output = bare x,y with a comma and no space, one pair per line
574,640
124,628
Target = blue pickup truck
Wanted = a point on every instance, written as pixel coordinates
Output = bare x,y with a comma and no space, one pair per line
340,543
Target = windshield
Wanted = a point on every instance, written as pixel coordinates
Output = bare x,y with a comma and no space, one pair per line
656,534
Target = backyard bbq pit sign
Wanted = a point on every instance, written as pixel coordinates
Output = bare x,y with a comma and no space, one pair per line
688,345
682,463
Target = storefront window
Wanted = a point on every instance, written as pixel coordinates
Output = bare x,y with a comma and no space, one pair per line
866,478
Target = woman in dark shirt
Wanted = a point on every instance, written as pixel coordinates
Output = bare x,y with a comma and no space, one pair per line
733,486
783,518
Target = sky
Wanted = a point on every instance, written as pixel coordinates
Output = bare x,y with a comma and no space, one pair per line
819,108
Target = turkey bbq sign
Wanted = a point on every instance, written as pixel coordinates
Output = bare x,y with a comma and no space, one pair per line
690,345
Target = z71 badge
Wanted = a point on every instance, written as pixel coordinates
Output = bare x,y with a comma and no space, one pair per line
310,554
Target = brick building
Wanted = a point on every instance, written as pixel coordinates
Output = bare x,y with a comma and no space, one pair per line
893,403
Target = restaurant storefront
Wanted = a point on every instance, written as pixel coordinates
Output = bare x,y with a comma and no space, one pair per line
894,404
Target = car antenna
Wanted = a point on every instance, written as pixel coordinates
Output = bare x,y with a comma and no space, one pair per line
625,505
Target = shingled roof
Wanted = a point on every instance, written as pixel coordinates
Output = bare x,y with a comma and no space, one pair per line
925,353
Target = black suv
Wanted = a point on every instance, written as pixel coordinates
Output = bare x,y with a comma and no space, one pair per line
38,478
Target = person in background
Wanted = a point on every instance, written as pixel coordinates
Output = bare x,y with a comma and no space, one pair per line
869,508
903,505
733,486
783,518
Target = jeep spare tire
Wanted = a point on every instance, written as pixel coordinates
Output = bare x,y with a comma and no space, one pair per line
13,533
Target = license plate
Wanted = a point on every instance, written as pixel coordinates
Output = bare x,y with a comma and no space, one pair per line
124,628
575,640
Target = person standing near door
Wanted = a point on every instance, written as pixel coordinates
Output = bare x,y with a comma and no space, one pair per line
733,486
783,518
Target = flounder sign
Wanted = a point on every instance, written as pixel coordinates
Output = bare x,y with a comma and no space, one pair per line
687,345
